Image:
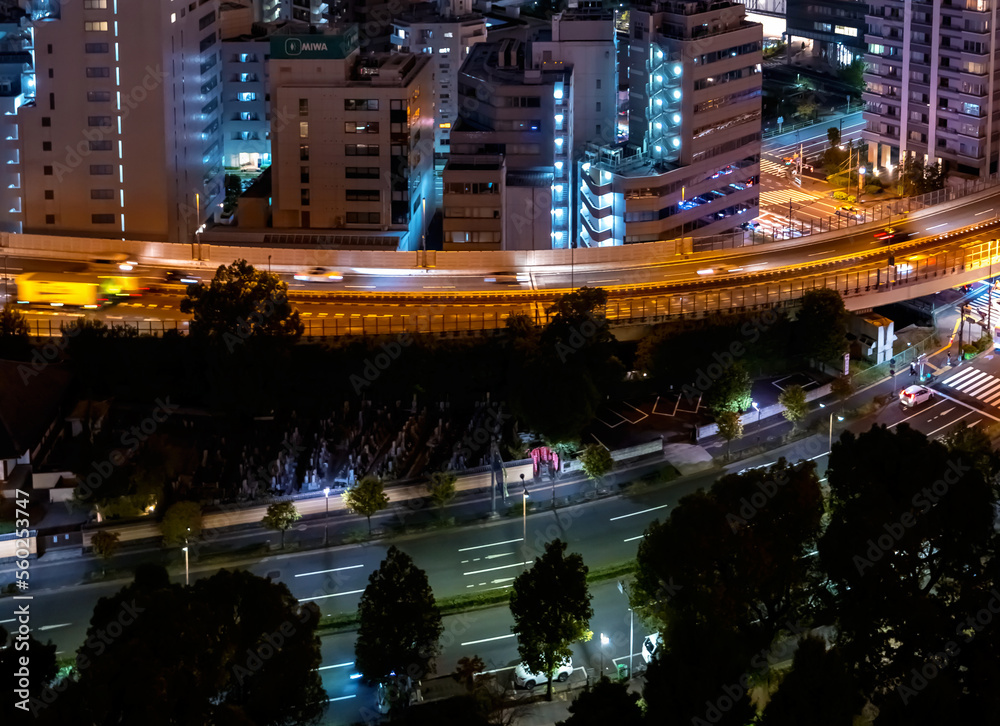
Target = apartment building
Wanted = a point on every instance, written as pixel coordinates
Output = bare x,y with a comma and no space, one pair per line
693,159
312,12
524,114
446,31
16,78
351,137
930,82
246,106
120,126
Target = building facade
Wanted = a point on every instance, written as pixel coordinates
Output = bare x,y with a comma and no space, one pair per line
693,159
446,32
523,114
833,30
931,77
120,127
350,137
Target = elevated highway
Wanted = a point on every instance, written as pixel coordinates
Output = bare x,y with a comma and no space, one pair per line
940,247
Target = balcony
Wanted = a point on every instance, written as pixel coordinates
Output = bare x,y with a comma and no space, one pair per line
603,234
595,211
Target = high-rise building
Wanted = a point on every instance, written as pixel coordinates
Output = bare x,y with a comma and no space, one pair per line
524,114
931,79
120,124
446,31
314,12
16,76
346,132
693,159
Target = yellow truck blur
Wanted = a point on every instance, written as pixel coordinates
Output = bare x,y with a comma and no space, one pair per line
61,289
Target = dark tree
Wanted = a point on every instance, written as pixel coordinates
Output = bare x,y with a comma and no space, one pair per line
821,326
908,549
734,558
234,648
240,304
605,703
551,608
399,623
818,690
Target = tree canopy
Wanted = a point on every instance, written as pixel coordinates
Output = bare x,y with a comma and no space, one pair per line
821,325
606,702
596,461
730,391
907,549
550,603
818,690
280,516
793,399
239,304
233,648
367,498
399,623
181,523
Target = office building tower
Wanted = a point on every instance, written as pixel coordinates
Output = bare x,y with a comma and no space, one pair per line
120,125
931,81
16,77
693,158
524,115
346,132
831,31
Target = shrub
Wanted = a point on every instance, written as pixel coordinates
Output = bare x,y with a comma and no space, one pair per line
839,196
851,199
873,189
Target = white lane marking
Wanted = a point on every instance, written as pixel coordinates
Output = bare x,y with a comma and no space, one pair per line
53,627
339,665
985,211
955,400
336,594
491,544
12,620
344,698
487,640
644,511
633,539
493,569
361,287
335,569
919,412
967,413
817,254
986,390
969,381
936,226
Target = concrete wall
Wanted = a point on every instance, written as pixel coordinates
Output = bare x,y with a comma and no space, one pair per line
766,412
12,548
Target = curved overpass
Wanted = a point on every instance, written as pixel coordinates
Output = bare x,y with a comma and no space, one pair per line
943,246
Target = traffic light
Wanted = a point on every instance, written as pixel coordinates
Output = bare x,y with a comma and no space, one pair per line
892,368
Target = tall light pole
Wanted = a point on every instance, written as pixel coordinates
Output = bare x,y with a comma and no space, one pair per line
829,444
623,589
604,641
187,572
989,307
524,520
326,520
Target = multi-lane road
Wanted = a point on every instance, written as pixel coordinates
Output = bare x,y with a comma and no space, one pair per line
488,556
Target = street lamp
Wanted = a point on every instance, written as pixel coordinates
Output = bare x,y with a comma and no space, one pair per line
829,445
861,173
756,408
524,520
326,520
187,572
604,641
623,589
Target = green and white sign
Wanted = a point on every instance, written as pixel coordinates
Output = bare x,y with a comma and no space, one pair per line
315,47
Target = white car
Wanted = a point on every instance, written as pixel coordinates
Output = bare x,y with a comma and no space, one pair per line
523,678
649,646
915,395
319,274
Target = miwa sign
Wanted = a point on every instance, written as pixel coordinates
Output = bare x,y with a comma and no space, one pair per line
314,47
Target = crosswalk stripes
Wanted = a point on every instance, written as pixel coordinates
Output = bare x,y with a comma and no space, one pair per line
977,384
981,305
781,196
772,167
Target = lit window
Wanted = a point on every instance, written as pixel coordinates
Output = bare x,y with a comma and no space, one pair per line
173,17
449,35
444,126
96,25
303,129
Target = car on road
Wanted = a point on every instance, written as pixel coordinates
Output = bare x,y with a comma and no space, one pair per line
649,646
508,278
850,211
319,274
113,259
915,395
181,276
524,678
888,235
